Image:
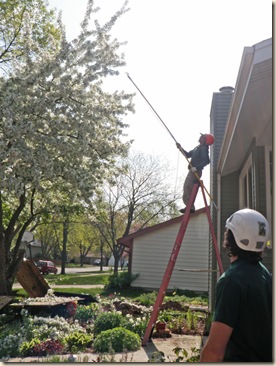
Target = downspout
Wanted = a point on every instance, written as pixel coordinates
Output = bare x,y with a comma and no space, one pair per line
219,205
218,233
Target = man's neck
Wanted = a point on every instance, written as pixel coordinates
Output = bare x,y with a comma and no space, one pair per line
233,258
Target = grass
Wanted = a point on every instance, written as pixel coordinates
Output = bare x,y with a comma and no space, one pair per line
74,279
128,293
101,278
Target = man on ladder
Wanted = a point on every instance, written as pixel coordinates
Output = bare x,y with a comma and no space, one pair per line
199,159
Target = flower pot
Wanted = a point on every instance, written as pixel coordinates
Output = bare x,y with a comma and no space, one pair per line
160,325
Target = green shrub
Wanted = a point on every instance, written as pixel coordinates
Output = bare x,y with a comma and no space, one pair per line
191,319
37,348
78,341
182,355
147,299
118,339
120,281
175,324
86,312
26,349
11,337
107,321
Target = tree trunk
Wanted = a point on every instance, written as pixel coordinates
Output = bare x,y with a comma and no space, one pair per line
3,280
64,246
81,259
116,263
101,264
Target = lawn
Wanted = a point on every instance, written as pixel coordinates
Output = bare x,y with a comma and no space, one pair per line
101,278
79,279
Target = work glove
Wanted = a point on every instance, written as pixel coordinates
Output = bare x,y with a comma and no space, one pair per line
193,169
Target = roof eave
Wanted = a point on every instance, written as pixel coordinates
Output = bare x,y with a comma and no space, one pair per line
127,240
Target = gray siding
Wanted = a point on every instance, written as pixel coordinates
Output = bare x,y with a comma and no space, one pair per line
248,132
260,194
229,204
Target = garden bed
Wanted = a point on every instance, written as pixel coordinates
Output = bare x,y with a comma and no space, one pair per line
90,327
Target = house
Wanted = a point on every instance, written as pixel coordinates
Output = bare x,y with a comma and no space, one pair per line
241,157
240,176
123,261
32,248
150,249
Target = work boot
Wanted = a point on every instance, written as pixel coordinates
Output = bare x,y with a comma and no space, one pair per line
183,210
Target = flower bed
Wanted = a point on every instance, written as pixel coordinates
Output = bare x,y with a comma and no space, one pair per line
86,327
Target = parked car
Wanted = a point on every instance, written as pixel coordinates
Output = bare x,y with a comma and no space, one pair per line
97,262
46,267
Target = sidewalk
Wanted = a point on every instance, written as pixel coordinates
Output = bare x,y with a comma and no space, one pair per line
165,345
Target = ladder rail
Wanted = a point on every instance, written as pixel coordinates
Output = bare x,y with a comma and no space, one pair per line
173,257
170,266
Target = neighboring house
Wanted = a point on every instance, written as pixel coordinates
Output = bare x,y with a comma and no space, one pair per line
89,259
150,250
32,247
241,157
123,261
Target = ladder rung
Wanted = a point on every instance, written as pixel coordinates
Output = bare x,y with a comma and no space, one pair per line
197,270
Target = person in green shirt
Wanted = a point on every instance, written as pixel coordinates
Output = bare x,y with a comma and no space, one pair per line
241,329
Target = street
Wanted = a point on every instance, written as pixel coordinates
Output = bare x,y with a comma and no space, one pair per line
69,270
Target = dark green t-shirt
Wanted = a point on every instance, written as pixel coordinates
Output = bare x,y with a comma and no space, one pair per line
244,302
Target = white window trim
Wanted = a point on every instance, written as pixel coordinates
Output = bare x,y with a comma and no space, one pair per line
267,184
241,179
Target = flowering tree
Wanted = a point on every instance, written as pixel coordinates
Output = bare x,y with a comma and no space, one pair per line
59,131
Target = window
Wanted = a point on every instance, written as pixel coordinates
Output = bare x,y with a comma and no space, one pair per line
246,185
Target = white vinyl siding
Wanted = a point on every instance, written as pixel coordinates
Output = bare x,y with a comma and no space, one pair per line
151,253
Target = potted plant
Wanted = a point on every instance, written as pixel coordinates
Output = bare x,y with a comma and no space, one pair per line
160,325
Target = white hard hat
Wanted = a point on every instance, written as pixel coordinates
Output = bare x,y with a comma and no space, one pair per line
250,229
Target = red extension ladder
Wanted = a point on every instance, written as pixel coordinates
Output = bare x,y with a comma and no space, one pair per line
173,257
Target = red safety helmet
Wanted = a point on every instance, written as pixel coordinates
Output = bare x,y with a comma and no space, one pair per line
209,138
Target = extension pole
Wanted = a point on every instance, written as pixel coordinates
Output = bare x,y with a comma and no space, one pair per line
182,151
151,107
